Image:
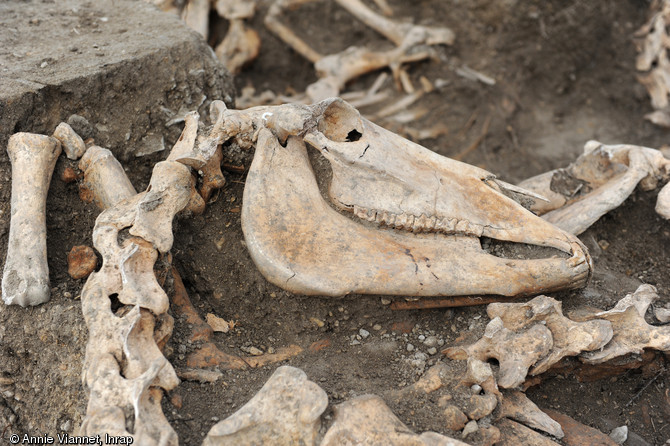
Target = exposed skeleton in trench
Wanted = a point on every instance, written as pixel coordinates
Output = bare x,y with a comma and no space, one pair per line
299,241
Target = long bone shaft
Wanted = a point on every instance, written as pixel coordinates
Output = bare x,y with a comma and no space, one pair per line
25,280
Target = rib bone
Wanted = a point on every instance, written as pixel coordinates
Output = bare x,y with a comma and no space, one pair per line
25,280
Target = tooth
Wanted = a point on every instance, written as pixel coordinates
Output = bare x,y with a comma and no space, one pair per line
419,223
390,221
370,215
401,221
430,224
359,212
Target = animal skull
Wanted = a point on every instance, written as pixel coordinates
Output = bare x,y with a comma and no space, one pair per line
417,216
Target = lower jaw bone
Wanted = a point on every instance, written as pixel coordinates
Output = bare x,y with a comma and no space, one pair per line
25,280
304,246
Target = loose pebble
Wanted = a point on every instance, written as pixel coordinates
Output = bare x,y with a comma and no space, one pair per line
410,347
470,428
364,333
619,435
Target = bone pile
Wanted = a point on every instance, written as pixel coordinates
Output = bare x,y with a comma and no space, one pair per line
652,61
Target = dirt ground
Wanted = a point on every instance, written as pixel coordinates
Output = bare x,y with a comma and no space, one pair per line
564,74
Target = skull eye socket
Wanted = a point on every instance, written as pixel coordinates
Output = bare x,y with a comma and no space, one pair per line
341,122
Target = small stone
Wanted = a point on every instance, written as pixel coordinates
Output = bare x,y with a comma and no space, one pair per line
476,389
355,342
432,351
604,244
421,338
386,301
480,406
81,261
364,333
255,351
619,435
81,126
66,426
67,295
376,327
455,419
318,322
410,347
430,341
470,428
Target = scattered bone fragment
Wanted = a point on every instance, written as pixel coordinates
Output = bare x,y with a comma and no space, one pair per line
69,175
208,355
240,46
286,411
516,352
652,61
181,304
200,375
516,406
25,279
515,434
578,434
104,178
597,182
569,338
367,420
413,43
72,144
303,252
663,202
81,261
196,16
662,314
218,324
632,334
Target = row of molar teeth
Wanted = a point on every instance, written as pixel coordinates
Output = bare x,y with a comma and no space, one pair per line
422,223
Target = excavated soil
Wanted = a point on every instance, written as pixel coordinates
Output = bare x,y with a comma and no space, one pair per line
564,74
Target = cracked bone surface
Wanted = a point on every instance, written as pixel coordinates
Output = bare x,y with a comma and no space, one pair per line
632,334
570,338
286,411
366,421
25,279
515,352
413,216
124,368
597,182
